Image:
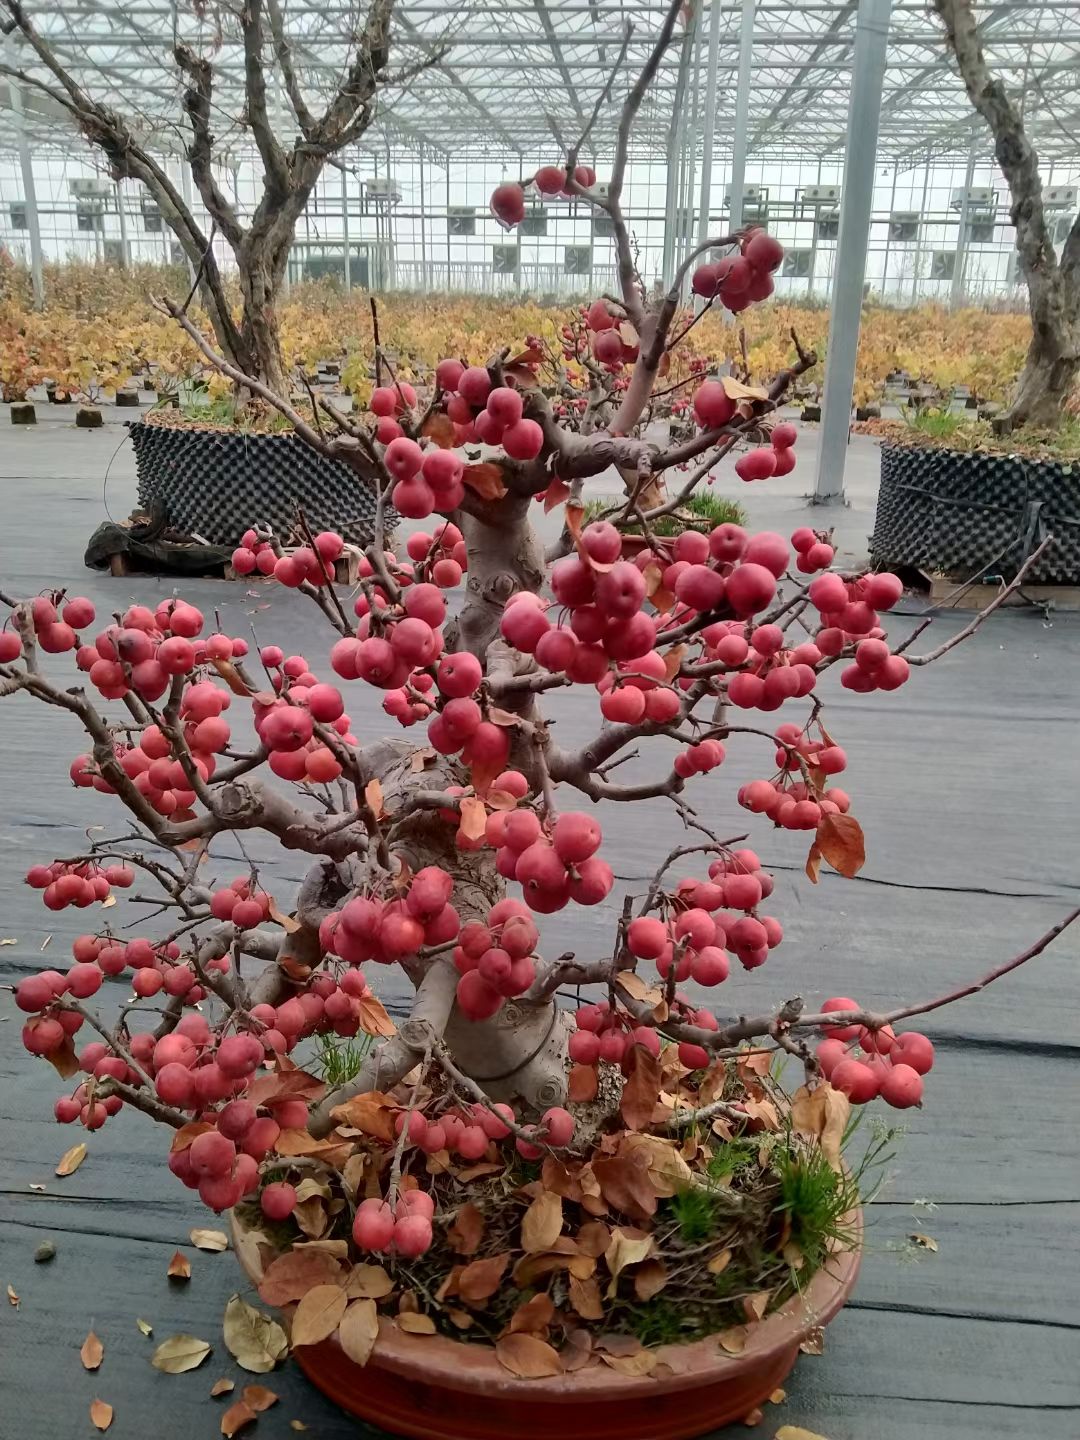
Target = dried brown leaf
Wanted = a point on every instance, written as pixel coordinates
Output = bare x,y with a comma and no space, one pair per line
473,817
556,492
358,1331
366,1282
254,1340
71,1159
180,1353
577,1352
643,1363
754,1306
542,1224
101,1414
582,1084
842,843
224,1386
179,1267
486,479
236,1417
374,796
534,1316
258,1397
64,1060
924,1242
318,1314
650,1277
733,1341
527,1357
293,1274
796,1432
641,1089
439,428
288,923
213,1240
91,1352
479,1281
813,863
415,1324
719,1262
145,1328
625,1249
465,1234
823,1113
585,1298
625,1185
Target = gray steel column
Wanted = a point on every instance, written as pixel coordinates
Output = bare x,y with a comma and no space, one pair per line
707,139
888,236
26,165
185,188
423,227
345,226
956,289
742,113
686,198
856,202
125,254
674,162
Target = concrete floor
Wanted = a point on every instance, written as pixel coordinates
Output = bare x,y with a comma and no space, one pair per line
965,782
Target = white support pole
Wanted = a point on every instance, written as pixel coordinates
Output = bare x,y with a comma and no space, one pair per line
345,226
856,202
125,253
189,201
675,158
916,259
742,114
424,283
956,289
709,135
26,165
690,134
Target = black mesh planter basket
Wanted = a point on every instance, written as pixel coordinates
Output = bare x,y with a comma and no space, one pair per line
217,483
958,513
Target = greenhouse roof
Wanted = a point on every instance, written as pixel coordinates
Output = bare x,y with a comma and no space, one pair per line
515,71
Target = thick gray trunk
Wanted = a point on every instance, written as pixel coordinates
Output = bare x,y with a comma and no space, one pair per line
504,557
1046,382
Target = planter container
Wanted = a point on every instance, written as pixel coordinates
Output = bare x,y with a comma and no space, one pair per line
811,412
23,412
128,398
951,512
216,483
435,1388
89,417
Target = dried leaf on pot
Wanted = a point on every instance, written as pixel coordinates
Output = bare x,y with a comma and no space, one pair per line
625,1249
754,1306
296,1272
368,1282
734,1340
668,1171
650,1277
318,1314
625,1185
641,1089
359,1330
643,1363
719,1262
534,1315
823,1113
619,1344
479,1281
254,1340
414,1324
577,1352
527,1357
461,1318
180,1353
585,1298
593,1238
542,1223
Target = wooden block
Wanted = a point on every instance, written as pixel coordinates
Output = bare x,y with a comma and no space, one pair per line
977,597
118,565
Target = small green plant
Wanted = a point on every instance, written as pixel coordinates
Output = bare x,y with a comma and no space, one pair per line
704,507
338,1061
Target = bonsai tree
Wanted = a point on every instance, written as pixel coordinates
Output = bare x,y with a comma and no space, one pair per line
1053,284
459,1144
291,167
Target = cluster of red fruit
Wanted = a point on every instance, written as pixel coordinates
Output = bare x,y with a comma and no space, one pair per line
79,884
368,927
148,648
611,345
776,458
739,280
508,199
442,557
315,565
482,410
793,804
495,957
891,1066
54,629
387,403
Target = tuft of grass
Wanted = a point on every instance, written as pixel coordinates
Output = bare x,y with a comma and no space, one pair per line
339,1060
816,1199
694,1211
704,507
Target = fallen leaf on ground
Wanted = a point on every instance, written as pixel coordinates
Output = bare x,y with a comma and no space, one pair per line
9,941
297,1425
318,1314
91,1352
778,1397
924,1242
796,1432
38,1189
527,1357
179,1267
210,1240
754,1418
254,1340
258,1397
221,1387
101,1414
358,1331
12,1295
145,1328
814,1344
236,1417
180,1353
71,1159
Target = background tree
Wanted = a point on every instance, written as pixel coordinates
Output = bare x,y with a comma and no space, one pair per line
1053,358
291,169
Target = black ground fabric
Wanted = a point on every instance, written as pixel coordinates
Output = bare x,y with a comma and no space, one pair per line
967,783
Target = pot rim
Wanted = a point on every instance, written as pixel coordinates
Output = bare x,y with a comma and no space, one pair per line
472,1368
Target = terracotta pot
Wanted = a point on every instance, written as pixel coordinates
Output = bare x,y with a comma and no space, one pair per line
435,1388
